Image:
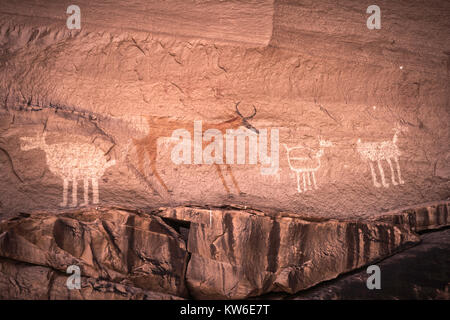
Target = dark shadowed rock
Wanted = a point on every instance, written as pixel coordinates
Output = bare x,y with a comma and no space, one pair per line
421,272
112,245
420,218
358,137
237,253
223,253
20,280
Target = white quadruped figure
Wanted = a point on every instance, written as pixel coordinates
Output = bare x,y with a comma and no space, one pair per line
72,162
384,150
306,161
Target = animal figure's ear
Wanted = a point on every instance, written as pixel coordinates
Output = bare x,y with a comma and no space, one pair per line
325,143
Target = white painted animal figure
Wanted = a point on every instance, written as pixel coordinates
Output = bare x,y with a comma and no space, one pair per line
385,150
306,161
72,162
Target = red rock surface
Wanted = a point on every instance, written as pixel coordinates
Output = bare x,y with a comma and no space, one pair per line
97,106
226,253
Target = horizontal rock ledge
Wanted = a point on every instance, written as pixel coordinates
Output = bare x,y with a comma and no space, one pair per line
224,253
244,23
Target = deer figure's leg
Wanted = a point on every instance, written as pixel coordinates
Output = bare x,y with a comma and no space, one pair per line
299,190
152,156
74,192
374,176
65,187
392,172
219,171
304,182
233,179
400,180
95,191
383,180
308,174
314,180
86,191
140,157
149,146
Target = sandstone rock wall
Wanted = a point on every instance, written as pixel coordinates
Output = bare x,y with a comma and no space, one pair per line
323,75
86,119
227,253
113,245
420,218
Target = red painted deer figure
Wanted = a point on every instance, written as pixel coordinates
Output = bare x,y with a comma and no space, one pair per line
164,127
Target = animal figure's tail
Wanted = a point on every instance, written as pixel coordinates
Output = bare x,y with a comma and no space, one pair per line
110,163
28,143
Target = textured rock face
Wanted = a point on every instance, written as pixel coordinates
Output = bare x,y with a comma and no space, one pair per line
420,218
25,281
236,254
112,245
227,253
366,110
421,272
356,123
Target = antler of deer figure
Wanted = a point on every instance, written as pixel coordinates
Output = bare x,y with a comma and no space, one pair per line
245,119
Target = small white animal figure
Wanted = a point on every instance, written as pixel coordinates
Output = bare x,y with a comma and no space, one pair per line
306,161
385,150
72,162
